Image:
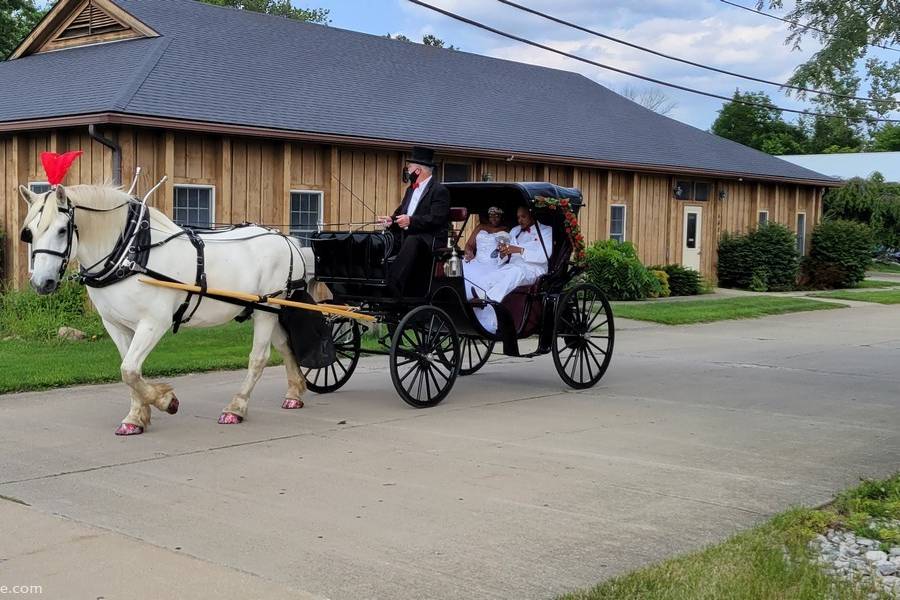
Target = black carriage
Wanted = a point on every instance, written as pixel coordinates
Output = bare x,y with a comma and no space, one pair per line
432,333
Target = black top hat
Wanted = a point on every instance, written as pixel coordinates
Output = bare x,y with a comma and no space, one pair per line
422,156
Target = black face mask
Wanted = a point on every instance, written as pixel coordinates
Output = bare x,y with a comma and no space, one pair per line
409,177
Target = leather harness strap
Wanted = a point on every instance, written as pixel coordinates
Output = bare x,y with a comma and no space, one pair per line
178,318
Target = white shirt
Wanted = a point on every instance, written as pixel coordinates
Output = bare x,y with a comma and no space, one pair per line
533,257
416,196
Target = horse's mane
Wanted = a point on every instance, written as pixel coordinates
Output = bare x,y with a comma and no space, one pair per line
104,197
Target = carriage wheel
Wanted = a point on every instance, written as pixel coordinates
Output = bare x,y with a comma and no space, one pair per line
425,356
583,336
475,353
346,336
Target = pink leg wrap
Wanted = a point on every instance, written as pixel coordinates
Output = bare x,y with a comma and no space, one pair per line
228,418
291,403
129,429
173,406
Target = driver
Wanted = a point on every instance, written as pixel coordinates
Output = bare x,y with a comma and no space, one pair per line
421,220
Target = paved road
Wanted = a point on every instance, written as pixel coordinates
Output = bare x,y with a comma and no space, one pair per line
514,487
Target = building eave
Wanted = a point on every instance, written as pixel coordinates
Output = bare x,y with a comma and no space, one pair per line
116,118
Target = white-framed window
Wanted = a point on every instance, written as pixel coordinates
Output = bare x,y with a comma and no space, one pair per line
307,208
801,234
36,187
194,205
763,217
617,222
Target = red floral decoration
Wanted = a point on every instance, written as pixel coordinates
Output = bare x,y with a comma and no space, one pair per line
570,222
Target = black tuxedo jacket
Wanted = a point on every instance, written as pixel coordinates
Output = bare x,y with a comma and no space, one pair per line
432,216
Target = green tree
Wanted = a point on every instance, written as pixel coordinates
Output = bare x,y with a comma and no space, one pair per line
17,19
830,135
887,139
427,39
760,127
872,202
281,8
846,31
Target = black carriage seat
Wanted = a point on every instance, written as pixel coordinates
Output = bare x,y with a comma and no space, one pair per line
525,303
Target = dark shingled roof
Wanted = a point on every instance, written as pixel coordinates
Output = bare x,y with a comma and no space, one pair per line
227,66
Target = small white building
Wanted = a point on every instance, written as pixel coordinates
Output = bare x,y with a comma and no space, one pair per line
850,164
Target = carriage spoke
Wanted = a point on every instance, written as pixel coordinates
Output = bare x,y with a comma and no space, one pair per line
599,349
427,377
412,369
596,362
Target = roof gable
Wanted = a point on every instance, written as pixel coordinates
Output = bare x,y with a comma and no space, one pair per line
73,23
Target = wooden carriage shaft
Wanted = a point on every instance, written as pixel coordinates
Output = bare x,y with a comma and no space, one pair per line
343,311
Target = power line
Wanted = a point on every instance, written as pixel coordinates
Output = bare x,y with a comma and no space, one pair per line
637,75
684,60
799,24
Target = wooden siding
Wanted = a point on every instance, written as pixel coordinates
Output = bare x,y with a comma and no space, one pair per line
253,178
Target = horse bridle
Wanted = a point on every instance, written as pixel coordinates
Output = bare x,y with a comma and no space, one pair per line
71,230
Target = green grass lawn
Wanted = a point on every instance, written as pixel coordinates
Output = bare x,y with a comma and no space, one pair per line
752,565
41,364
874,283
883,297
885,268
707,311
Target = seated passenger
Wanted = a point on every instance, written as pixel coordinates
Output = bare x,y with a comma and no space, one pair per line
529,252
482,257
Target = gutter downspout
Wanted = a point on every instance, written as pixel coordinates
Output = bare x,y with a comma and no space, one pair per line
116,153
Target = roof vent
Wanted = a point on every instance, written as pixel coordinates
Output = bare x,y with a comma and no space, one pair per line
91,21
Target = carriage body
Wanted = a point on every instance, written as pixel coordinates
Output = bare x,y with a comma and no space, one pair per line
356,267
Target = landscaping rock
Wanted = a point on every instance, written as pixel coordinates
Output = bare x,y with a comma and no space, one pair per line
886,567
895,551
875,556
858,559
70,333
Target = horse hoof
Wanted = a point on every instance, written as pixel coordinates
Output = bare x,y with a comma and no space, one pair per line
173,406
129,429
230,419
291,403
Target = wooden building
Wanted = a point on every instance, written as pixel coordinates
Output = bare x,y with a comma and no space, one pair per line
128,81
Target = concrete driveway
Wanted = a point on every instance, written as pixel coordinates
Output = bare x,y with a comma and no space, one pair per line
514,487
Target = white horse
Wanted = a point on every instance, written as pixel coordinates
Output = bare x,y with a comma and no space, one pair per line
85,222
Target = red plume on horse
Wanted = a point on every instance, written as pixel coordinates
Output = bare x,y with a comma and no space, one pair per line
57,165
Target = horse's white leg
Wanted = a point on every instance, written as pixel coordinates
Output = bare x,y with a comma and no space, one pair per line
122,337
296,381
146,336
263,325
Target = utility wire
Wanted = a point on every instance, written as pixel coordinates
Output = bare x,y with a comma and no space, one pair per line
639,76
799,24
686,61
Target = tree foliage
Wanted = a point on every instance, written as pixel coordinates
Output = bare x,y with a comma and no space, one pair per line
427,39
847,64
281,8
887,139
17,19
872,202
760,127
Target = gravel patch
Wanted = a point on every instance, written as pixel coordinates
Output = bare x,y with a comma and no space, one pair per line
862,560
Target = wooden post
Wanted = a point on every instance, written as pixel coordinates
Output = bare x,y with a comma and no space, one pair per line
754,218
284,213
333,185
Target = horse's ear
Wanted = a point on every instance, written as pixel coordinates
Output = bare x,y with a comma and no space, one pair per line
60,194
26,194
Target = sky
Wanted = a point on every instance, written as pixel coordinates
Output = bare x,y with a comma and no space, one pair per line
705,31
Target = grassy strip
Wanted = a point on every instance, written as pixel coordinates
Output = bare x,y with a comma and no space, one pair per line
40,364
752,565
708,311
875,283
884,297
884,267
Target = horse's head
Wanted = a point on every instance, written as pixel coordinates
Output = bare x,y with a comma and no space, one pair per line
50,229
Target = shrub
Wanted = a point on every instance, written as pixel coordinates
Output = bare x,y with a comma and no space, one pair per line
615,268
664,290
840,252
682,280
764,259
27,315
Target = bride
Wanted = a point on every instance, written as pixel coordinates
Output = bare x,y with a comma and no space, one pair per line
482,259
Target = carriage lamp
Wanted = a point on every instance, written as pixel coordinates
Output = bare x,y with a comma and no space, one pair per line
453,266
722,194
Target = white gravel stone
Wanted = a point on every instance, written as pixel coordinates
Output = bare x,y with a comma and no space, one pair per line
875,556
886,567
